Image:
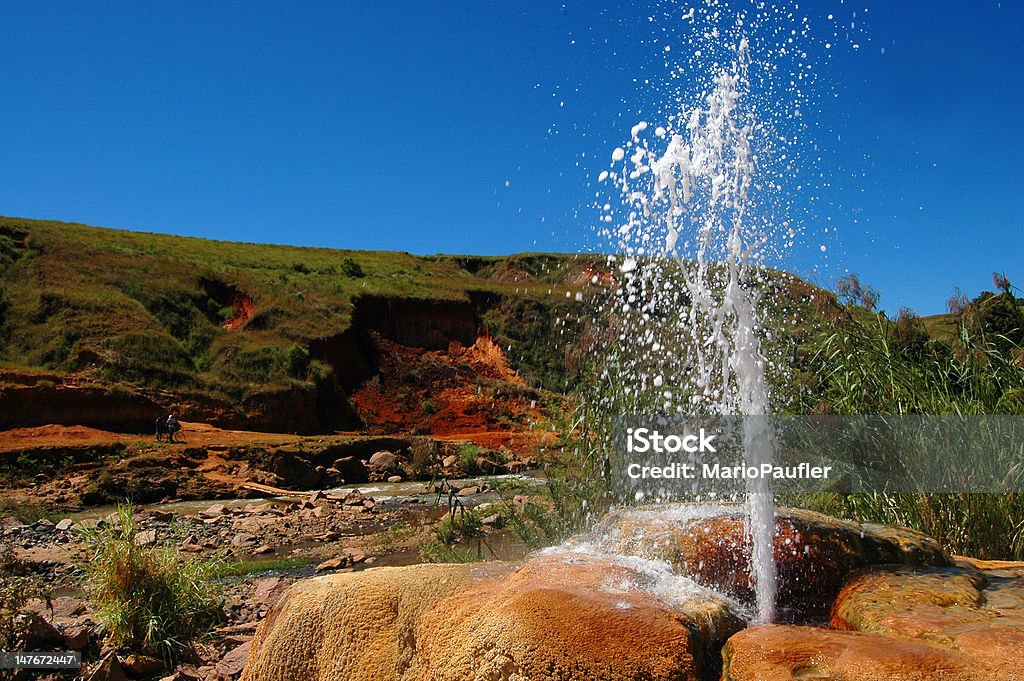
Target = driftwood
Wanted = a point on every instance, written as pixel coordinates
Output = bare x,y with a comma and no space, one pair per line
291,494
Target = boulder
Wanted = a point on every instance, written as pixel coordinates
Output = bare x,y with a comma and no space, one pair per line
382,462
145,538
558,617
977,612
352,470
215,511
814,553
269,590
76,637
785,653
233,663
354,626
142,665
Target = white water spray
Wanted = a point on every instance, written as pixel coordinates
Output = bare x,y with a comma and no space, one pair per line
689,212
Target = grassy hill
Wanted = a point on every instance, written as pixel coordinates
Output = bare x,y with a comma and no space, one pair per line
272,327
167,311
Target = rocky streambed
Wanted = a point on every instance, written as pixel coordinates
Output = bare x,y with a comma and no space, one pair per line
264,545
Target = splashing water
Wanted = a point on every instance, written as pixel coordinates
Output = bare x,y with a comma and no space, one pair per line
691,241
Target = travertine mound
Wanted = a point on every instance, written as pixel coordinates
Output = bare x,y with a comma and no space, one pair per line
558,617
979,613
352,627
814,553
785,653
900,624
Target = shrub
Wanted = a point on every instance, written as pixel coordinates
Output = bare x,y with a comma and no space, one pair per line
350,268
468,454
150,599
298,361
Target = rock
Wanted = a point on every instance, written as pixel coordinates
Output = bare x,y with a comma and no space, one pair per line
979,613
61,607
145,538
40,632
161,516
242,538
10,522
267,591
488,465
44,524
262,550
467,491
315,497
332,564
813,552
233,663
785,653
382,461
449,461
555,618
64,525
354,498
108,669
395,478
76,637
141,665
356,557
495,521
214,512
352,470
369,504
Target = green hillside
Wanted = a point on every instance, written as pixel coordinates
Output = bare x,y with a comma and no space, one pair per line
175,312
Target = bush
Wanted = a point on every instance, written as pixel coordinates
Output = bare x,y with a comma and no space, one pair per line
150,599
350,268
468,454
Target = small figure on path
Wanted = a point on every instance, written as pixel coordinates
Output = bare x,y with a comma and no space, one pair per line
167,425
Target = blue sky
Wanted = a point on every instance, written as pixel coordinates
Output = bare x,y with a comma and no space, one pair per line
478,127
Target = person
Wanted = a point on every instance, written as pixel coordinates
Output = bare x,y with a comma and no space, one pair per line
161,427
172,426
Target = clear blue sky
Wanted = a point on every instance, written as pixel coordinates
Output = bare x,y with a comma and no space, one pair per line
396,125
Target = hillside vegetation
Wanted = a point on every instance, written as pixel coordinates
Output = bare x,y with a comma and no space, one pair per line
226,318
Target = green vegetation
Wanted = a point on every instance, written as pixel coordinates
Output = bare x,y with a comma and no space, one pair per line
468,453
968,362
160,311
25,511
151,599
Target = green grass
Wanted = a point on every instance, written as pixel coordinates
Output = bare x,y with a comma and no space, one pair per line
153,600
26,512
150,309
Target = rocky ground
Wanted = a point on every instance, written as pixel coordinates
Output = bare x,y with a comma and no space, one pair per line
271,543
272,508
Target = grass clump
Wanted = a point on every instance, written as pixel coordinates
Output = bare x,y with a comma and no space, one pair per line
149,599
